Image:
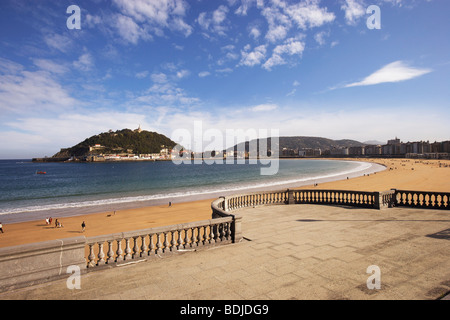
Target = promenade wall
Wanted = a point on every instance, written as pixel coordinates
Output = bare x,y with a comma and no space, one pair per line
35,263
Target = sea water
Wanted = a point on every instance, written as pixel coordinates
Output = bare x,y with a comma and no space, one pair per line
81,185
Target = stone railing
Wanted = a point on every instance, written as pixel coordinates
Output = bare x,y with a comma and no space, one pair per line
422,199
376,200
124,247
363,199
338,197
35,263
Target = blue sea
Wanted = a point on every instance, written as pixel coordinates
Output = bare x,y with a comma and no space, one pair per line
95,187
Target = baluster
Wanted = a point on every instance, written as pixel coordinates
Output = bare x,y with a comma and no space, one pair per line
91,256
101,254
180,240
110,252
186,239
199,236
228,231
159,250
221,226
135,248
194,237
166,243
151,245
438,201
205,236
211,234
217,237
174,242
127,249
119,251
143,247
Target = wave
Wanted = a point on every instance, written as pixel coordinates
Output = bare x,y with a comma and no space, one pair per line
362,166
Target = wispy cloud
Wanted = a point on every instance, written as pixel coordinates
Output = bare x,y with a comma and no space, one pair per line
393,72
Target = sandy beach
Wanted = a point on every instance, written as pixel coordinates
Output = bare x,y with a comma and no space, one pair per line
407,174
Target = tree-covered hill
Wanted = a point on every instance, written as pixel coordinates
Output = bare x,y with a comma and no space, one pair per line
121,141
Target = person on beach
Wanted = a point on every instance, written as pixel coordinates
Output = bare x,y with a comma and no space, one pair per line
170,203
1,227
83,227
56,223
46,221
50,220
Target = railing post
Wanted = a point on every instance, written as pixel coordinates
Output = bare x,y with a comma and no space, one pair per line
378,200
291,199
237,228
91,256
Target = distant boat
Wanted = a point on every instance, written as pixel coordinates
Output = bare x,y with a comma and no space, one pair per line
41,172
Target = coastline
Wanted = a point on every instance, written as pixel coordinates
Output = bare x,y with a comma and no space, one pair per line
79,209
425,175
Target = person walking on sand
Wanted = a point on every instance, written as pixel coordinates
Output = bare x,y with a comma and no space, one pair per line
1,227
46,221
83,227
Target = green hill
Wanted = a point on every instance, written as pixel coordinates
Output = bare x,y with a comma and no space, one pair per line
301,142
121,141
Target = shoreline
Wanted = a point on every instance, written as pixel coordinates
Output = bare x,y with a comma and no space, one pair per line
423,175
35,215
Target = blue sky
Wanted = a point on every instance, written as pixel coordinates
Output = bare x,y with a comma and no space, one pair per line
309,68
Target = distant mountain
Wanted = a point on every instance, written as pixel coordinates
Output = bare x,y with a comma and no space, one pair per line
121,141
303,143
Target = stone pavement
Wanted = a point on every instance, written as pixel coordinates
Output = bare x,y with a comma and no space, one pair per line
289,252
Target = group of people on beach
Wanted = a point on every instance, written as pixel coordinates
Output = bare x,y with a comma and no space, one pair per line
58,224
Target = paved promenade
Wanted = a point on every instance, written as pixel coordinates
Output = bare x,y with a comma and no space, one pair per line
290,252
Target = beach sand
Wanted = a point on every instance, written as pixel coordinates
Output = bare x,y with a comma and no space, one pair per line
406,174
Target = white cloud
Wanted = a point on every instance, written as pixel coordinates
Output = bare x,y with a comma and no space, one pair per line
50,66
394,72
163,93
354,10
279,23
142,74
158,14
129,30
159,77
254,33
264,107
204,74
213,21
309,15
320,37
282,16
246,4
45,136
182,74
59,42
291,46
26,92
84,62
254,57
